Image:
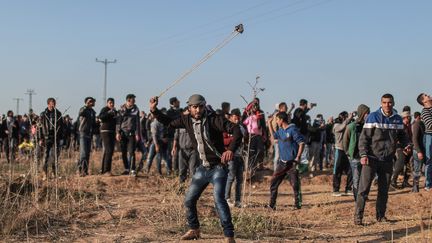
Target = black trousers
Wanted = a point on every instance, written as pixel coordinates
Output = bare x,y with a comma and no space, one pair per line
283,169
401,161
108,140
384,171
50,156
341,165
128,145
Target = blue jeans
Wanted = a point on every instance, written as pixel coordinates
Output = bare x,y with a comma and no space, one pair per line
85,148
417,164
163,154
356,168
428,159
236,168
216,175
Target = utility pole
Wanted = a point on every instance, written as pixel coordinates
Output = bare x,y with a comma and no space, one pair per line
17,104
30,93
105,62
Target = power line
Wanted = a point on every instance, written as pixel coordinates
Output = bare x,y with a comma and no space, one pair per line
30,93
105,62
17,104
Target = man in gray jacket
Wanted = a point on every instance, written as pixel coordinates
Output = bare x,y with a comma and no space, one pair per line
383,132
128,133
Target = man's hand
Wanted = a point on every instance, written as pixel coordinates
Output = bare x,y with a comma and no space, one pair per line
153,103
174,151
420,156
118,137
137,137
227,156
297,160
157,148
364,160
350,116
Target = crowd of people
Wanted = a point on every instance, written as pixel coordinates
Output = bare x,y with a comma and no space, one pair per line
223,146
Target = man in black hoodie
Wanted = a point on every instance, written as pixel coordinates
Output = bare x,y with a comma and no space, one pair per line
108,116
128,133
206,131
51,131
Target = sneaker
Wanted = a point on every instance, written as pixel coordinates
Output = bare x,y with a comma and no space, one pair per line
336,194
349,193
382,219
230,203
238,204
297,206
427,189
126,172
133,173
311,175
193,234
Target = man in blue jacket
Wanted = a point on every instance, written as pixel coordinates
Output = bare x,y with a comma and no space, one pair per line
291,144
382,133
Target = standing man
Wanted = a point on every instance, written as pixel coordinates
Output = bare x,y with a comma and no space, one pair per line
51,131
382,133
426,116
350,144
87,123
236,166
206,130
173,112
128,133
418,129
10,141
291,144
341,162
108,116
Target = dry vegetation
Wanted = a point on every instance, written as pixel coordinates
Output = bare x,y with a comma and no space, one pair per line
148,208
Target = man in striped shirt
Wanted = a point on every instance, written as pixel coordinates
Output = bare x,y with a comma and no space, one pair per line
426,116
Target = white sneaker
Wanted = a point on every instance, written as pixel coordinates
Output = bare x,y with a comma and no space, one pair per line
230,203
336,194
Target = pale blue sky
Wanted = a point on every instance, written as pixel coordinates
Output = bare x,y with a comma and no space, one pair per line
337,53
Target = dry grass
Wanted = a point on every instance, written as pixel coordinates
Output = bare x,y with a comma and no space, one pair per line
149,208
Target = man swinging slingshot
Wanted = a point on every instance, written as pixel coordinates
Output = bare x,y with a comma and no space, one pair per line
206,131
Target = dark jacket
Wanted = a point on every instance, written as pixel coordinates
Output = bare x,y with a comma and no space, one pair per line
108,118
300,120
87,121
382,135
217,124
128,121
51,124
418,129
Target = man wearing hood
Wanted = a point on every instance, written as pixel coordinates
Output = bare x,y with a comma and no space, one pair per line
341,162
205,128
128,133
86,125
350,144
383,132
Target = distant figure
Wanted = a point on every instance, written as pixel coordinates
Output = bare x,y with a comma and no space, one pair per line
128,133
87,122
51,132
108,116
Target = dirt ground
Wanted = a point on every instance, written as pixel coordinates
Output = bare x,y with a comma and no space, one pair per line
149,208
